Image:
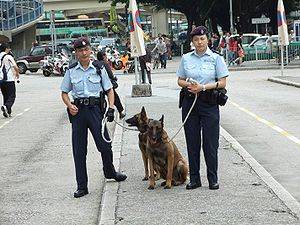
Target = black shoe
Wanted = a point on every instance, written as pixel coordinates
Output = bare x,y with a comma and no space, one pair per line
4,110
214,186
193,185
118,177
79,193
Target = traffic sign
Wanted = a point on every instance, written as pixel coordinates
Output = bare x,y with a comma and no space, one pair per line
260,20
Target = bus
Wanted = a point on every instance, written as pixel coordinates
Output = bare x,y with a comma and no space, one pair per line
69,29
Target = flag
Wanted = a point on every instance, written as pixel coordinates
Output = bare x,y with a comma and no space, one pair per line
283,36
135,29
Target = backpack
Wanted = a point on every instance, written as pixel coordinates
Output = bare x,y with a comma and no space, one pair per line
3,71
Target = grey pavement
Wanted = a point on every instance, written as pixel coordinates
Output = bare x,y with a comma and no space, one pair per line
244,197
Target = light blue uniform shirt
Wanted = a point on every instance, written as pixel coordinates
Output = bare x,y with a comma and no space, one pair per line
204,69
84,83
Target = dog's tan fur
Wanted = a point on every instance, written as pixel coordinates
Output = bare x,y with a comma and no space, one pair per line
141,121
164,156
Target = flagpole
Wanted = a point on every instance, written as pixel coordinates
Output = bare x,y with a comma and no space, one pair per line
281,60
136,70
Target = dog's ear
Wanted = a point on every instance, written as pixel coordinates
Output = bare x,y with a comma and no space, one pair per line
162,120
143,112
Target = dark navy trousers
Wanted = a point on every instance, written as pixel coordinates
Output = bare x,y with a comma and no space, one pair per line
202,124
89,117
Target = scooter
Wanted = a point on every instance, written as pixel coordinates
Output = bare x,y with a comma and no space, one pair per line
56,66
114,57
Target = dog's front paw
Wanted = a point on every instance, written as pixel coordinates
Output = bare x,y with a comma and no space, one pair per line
145,178
151,187
167,187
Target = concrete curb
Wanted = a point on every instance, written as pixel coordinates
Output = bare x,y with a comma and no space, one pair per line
277,188
280,81
110,190
260,67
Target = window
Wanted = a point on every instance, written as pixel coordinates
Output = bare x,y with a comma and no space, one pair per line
38,51
260,42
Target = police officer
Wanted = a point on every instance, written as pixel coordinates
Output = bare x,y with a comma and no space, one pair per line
85,84
209,71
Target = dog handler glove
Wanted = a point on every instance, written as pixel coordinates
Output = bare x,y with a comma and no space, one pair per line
110,114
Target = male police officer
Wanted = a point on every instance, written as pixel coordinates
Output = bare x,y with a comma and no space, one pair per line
85,83
209,71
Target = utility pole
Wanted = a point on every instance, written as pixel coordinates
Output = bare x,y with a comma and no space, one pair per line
231,16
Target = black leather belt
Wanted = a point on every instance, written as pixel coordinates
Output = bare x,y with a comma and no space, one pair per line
87,101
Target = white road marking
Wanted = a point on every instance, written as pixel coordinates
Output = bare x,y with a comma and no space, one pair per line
268,123
13,118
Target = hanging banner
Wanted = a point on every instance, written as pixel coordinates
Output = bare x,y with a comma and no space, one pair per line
135,28
283,36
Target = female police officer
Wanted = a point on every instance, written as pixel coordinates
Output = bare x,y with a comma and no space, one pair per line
209,71
85,84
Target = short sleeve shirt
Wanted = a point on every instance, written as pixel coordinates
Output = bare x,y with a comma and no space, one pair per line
9,63
84,83
204,69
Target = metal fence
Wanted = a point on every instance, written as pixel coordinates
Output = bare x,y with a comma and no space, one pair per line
264,55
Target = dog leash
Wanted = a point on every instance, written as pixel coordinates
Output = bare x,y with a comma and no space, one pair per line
187,116
127,128
104,124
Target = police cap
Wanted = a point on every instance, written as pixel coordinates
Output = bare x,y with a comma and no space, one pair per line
81,42
200,30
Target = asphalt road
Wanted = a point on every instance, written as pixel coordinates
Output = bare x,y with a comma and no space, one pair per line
36,164
264,117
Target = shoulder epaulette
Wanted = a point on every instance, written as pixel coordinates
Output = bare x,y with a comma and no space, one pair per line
73,65
219,53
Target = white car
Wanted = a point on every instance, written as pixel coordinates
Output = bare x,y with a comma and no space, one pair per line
247,38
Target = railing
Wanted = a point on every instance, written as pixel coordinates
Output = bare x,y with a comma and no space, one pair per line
264,55
16,13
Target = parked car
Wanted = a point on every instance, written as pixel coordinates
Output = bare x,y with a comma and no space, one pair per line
247,38
259,45
31,62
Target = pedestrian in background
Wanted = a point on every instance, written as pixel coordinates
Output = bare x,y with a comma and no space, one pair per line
102,57
162,51
10,73
86,112
145,63
209,71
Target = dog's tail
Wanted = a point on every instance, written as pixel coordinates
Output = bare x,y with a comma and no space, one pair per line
183,171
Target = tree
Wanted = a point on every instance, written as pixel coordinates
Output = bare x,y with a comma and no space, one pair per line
217,11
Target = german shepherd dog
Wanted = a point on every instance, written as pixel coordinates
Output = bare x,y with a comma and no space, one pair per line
141,121
164,156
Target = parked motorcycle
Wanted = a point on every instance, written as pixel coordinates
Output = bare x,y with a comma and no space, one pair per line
56,66
114,57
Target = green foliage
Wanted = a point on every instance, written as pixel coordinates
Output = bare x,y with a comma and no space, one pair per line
199,11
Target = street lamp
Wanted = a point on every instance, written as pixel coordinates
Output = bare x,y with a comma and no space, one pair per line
231,16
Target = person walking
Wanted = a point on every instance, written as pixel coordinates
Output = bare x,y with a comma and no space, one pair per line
102,57
145,63
86,84
209,71
10,73
162,51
